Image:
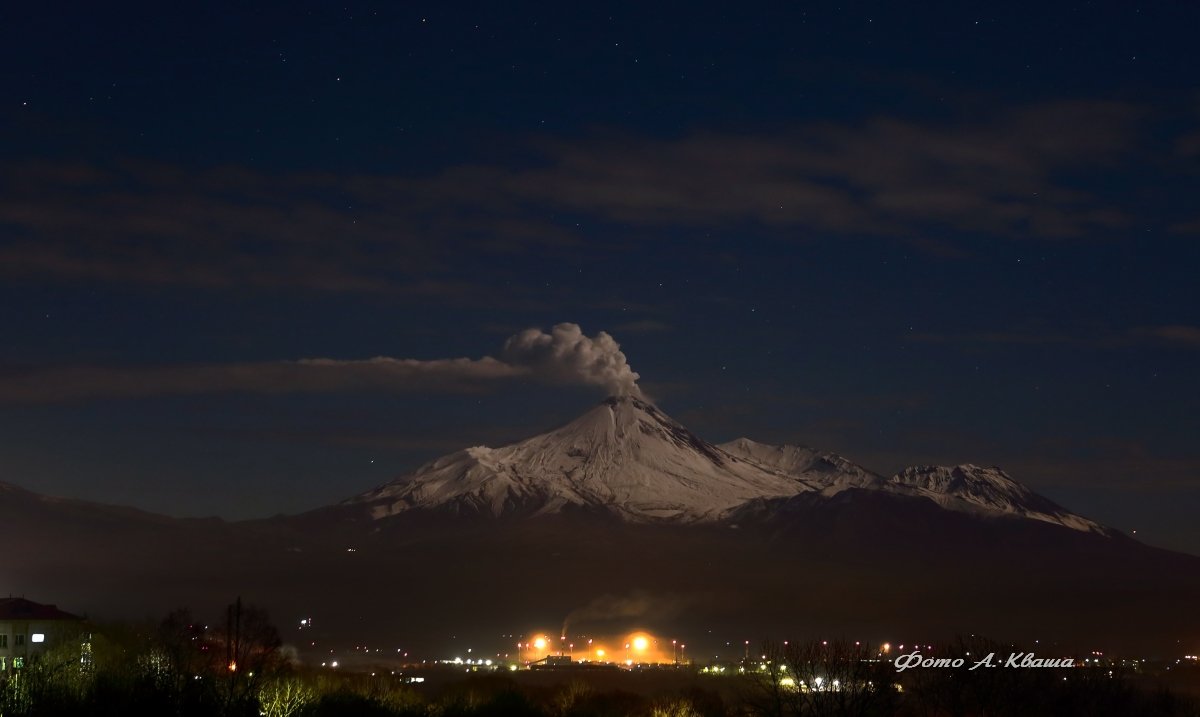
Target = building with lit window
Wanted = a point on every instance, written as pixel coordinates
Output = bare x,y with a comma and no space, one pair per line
27,629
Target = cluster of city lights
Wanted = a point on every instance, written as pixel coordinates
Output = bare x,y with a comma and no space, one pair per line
635,648
461,661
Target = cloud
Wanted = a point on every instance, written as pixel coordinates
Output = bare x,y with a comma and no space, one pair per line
563,356
1189,226
1188,145
1016,174
1025,338
266,377
1180,335
1177,334
886,176
222,227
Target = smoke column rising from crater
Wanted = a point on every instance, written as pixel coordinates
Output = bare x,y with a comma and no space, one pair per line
566,355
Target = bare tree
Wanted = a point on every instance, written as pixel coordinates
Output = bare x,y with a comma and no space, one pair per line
820,679
250,645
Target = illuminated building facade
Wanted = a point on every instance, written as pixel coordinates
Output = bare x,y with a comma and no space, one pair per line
28,629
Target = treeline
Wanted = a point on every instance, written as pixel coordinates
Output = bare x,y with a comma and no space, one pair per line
844,679
184,668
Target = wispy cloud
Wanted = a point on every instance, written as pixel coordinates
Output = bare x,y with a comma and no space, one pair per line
1175,334
998,337
1012,175
886,176
267,377
1189,226
1188,336
565,355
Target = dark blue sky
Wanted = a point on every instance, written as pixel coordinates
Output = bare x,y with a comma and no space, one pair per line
928,233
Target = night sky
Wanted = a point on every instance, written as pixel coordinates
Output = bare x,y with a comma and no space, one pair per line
907,233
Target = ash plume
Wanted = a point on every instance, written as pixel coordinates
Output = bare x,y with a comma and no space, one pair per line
566,355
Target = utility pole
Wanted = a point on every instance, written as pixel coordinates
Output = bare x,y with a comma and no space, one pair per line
233,634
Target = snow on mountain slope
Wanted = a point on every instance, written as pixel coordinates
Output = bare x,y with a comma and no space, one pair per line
624,456
965,488
627,458
973,488
829,472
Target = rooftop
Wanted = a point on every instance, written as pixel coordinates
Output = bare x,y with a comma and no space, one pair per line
12,608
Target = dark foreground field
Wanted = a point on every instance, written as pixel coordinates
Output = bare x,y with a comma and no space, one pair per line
868,568
185,669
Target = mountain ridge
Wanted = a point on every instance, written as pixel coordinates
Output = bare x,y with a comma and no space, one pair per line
626,456
535,529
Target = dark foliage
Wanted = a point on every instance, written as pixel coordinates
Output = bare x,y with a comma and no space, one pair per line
181,669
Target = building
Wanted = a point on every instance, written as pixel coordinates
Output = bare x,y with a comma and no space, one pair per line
564,662
28,629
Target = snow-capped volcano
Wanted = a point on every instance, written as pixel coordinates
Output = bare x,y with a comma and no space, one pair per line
624,455
627,458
